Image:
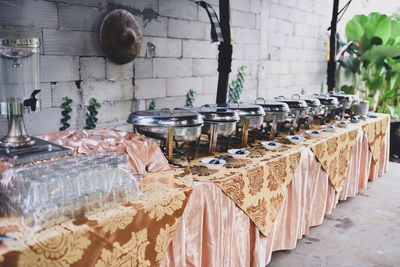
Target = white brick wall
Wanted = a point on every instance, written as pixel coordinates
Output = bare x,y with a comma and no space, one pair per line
150,88
59,68
295,56
180,28
181,86
92,68
116,72
165,47
172,67
199,49
280,42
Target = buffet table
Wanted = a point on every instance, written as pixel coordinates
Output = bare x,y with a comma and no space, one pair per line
215,231
235,216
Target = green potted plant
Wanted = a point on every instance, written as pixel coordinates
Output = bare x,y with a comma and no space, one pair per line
376,72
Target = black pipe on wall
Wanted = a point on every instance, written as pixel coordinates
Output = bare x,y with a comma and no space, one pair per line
225,52
331,81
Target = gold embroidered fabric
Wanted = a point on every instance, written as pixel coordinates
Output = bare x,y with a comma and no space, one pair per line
135,233
257,185
375,130
334,154
125,234
260,191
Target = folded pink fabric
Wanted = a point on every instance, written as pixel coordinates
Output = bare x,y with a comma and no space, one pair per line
145,155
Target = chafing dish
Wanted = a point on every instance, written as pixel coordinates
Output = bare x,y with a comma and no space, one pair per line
168,125
329,105
315,109
298,110
345,102
274,110
275,113
218,121
251,117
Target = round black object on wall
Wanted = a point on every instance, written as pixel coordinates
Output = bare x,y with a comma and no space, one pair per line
120,36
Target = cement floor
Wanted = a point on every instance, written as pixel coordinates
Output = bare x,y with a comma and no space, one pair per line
361,231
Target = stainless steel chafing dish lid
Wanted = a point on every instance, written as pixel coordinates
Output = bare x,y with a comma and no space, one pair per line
326,100
166,118
272,105
293,103
212,113
247,110
311,102
341,96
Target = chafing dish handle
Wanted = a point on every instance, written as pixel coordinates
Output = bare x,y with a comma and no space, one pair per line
207,106
315,95
296,95
234,101
162,109
260,98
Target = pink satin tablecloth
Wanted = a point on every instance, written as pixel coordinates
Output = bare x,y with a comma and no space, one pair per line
215,232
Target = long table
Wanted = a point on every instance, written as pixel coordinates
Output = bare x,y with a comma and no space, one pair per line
209,222
216,232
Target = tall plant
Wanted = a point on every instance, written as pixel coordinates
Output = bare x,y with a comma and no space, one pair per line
376,73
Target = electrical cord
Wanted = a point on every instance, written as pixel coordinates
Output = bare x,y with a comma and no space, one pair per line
342,12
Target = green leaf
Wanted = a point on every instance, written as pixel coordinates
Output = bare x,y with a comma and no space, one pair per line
365,44
374,83
375,52
371,100
378,26
395,29
347,89
393,64
354,30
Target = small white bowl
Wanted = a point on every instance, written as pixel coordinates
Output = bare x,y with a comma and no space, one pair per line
238,156
329,128
295,139
354,119
314,133
271,145
206,162
342,124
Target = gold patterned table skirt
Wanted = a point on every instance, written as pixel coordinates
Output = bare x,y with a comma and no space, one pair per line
258,183
214,231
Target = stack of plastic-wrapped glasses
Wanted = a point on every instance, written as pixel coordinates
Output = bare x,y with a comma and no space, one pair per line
69,187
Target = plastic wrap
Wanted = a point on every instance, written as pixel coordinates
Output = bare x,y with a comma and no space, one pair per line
68,187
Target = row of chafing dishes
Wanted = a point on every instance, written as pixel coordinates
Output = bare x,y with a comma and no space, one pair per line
264,118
